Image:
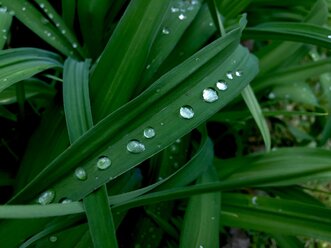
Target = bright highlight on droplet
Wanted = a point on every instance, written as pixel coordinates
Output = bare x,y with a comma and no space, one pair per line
165,30
80,174
103,163
209,95
135,146
52,239
238,73
149,132
186,112
221,85
46,197
229,75
181,17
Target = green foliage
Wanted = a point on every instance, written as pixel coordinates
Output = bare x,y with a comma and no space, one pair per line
164,123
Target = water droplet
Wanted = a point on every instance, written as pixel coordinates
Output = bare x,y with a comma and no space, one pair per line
23,9
3,10
212,218
74,45
135,146
221,85
57,24
186,112
329,36
12,12
148,66
5,79
149,132
201,246
238,73
162,124
165,30
66,200
209,95
254,199
178,141
272,95
4,30
229,75
51,16
194,2
42,5
181,17
174,9
52,239
211,24
63,31
103,163
80,174
4,37
46,197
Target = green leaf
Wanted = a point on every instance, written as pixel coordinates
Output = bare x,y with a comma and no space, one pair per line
127,49
76,98
255,110
293,217
288,31
100,219
79,120
34,20
22,63
201,221
5,23
155,107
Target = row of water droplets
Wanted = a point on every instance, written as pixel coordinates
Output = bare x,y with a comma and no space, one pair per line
209,94
135,146
104,162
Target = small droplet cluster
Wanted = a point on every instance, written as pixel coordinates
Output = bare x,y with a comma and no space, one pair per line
181,7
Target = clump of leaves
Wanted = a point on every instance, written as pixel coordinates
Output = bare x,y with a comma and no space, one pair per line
150,123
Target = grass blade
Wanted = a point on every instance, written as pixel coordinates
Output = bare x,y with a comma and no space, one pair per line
255,109
79,120
287,31
5,23
22,63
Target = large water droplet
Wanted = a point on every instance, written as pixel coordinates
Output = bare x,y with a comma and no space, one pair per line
221,85
229,75
181,17
186,112
329,36
254,200
46,197
80,174
209,95
103,163
135,146
52,239
149,132
66,200
238,73
165,30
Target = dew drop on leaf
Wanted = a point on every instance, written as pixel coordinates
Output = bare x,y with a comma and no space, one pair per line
186,112
66,200
80,174
103,163
149,132
181,17
221,85
238,73
52,239
46,197
229,75
209,95
165,30
135,146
